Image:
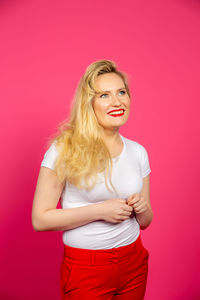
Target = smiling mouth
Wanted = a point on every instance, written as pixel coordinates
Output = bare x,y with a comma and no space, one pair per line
117,113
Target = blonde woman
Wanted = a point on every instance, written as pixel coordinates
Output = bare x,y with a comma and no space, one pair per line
102,179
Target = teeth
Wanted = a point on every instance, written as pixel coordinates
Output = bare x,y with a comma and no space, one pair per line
116,112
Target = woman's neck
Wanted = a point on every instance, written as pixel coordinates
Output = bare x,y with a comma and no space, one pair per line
113,142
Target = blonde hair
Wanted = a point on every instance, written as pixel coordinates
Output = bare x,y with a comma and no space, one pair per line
82,152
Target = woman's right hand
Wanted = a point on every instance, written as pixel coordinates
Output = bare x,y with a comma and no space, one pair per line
115,210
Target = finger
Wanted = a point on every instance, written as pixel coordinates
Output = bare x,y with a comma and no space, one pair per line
128,208
134,198
127,213
139,209
134,201
130,198
136,205
124,218
137,197
122,200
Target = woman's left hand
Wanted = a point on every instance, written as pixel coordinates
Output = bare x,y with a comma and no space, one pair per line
138,203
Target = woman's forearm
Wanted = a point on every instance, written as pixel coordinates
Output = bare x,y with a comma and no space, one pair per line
144,219
66,218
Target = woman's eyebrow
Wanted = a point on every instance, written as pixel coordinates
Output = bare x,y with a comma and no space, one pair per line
109,91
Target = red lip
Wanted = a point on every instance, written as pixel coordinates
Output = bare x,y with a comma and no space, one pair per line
116,110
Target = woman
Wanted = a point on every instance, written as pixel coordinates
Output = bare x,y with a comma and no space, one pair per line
103,181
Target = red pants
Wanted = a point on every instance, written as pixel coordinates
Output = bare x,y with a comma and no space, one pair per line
117,273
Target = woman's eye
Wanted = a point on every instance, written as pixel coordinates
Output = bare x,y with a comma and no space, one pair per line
103,95
123,92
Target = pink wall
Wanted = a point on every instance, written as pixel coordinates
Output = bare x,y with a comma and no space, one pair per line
45,48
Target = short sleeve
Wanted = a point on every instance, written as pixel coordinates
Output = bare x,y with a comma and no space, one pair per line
144,161
50,156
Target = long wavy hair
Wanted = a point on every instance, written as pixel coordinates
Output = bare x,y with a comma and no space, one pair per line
82,153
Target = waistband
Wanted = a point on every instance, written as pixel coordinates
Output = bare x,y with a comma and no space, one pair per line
100,256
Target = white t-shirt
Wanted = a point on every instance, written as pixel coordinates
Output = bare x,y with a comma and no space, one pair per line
129,168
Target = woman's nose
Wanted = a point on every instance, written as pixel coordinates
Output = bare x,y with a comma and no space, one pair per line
115,100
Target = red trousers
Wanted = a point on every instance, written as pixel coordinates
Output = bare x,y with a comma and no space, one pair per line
117,273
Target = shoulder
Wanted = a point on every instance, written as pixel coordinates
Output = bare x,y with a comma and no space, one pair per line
50,156
137,150
134,145
52,148
128,142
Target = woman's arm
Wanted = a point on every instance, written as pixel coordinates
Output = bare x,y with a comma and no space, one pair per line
45,215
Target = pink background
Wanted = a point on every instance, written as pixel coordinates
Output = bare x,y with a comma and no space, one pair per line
45,48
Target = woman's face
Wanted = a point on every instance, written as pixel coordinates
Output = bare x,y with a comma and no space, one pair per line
112,105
